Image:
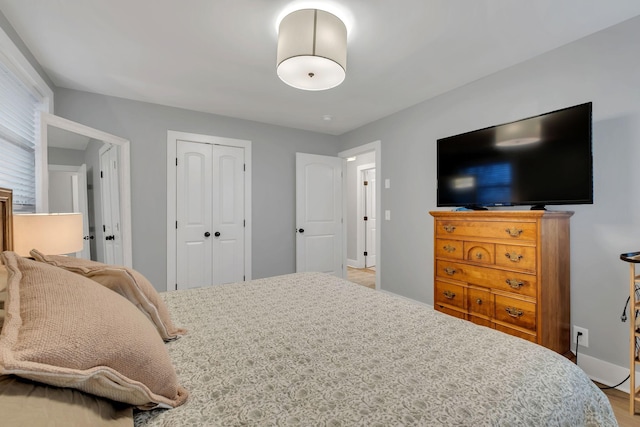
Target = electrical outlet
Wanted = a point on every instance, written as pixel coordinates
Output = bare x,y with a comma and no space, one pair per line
584,338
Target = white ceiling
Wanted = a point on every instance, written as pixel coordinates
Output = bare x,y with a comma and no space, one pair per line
218,56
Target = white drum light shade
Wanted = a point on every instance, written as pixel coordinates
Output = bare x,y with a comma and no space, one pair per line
51,234
519,133
312,50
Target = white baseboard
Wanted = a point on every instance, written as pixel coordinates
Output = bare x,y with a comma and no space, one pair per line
353,263
604,372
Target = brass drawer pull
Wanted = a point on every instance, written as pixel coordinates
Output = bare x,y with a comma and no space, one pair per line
515,284
513,256
479,301
514,312
514,232
449,248
479,255
449,294
449,228
450,271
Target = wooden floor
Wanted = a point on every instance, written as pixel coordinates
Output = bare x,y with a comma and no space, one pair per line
620,403
362,276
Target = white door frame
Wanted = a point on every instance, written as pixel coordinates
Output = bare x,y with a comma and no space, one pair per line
360,232
376,147
47,120
172,138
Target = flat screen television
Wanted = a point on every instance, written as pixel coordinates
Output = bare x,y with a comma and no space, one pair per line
538,161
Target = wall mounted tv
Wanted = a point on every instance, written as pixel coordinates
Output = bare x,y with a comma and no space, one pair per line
538,161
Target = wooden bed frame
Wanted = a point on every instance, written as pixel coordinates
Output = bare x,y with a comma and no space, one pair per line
6,219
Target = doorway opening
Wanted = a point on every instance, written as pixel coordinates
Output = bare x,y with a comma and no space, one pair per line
68,145
362,211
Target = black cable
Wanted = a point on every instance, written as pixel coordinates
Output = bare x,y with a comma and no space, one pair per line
623,318
614,386
578,335
624,310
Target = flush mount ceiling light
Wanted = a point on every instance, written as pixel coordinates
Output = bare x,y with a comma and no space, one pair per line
518,134
312,50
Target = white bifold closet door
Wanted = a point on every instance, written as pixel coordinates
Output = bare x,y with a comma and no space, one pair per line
210,214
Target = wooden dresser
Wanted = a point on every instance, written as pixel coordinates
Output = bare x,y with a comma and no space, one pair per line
507,270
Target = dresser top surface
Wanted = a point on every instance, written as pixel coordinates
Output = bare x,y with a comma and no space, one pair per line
507,214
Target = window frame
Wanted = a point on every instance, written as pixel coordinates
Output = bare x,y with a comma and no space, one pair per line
16,61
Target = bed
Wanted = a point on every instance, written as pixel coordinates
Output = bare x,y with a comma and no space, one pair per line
314,349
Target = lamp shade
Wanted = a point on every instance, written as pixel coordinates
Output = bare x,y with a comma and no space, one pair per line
51,234
312,50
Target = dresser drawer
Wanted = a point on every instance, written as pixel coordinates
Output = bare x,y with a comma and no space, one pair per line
480,302
451,312
449,249
483,253
520,283
481,321
529,336
450,294
488,229
517,257
516,312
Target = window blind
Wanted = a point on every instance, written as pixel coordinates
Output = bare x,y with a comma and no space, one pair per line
18,121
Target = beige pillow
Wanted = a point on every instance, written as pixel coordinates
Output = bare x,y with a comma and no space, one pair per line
3,279
28,403
3,292
65,330
125,281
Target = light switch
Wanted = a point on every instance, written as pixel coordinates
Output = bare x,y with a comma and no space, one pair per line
387,183
387,215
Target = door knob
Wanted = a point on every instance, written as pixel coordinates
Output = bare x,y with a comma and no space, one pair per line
217,234
207,234
301,230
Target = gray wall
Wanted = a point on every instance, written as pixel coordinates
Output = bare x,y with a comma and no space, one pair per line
60,193
65,156
146,125
603,68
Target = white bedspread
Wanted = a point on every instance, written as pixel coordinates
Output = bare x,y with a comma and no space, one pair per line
312,349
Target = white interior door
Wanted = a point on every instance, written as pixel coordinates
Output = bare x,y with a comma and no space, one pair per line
370,213
194,195
228,214
81,204
109,187
210,214
319,213
68,193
